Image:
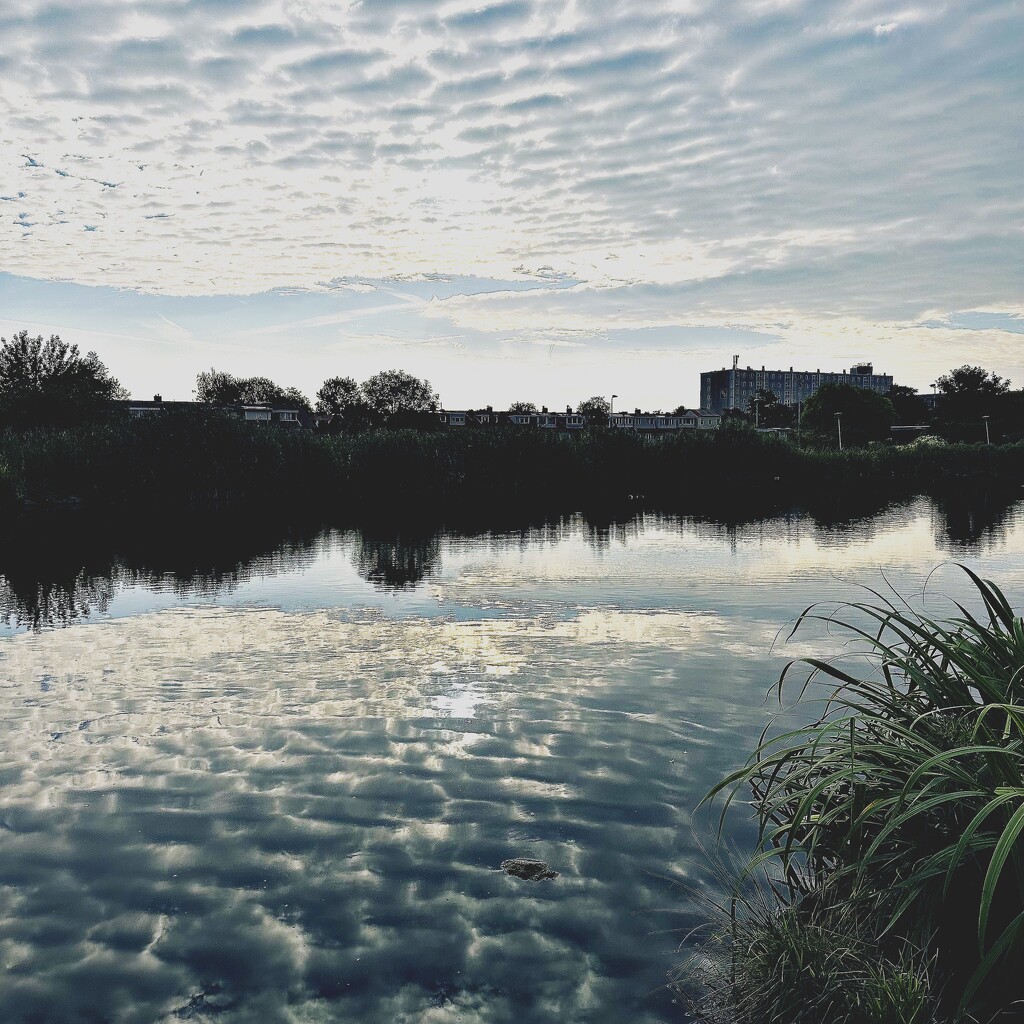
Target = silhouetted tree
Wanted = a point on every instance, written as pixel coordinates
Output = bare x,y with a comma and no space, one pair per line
596,410
766,410
866,415
338,395
394,392
51,382
220,388
972,380
909,408
522,407
967,394
342,398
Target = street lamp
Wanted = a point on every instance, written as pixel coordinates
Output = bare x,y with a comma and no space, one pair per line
839,427
988,440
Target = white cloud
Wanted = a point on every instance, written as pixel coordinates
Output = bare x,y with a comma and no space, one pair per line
679,162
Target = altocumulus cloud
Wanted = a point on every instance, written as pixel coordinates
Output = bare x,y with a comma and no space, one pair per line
761,164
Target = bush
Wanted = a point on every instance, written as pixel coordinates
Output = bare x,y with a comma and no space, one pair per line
904,800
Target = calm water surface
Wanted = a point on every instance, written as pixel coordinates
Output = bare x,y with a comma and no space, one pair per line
280,788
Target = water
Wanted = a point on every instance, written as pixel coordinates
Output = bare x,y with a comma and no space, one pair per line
248,780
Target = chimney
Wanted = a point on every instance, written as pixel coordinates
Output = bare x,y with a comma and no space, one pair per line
158,398
636,412
543,408
490,408
568,410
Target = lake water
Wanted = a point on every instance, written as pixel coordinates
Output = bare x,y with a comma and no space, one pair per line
279,786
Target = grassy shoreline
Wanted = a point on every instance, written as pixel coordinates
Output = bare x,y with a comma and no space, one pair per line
208,462
888,885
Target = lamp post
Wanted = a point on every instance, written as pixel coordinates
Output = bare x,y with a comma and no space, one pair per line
988,440
839,427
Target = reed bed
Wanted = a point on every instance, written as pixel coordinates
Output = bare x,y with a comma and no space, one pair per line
890,829
207,460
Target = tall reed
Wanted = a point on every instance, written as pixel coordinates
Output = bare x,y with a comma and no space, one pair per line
203,459
903,802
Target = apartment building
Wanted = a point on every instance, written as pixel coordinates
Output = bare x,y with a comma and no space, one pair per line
734,388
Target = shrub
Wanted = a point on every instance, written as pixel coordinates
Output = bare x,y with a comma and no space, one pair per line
904,800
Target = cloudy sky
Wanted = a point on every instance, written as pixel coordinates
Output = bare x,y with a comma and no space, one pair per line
520,199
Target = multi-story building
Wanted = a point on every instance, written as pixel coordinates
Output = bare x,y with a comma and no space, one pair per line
734,388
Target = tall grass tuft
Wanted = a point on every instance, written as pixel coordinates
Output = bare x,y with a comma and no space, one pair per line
902,805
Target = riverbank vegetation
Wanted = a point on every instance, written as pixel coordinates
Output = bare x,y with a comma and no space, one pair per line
207,459
890,831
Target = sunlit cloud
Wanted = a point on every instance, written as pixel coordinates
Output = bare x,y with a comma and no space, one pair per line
667,164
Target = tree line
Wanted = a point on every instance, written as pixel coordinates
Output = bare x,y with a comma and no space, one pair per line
970,404
51,382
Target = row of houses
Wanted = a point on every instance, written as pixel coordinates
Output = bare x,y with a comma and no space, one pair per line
648,422
262,413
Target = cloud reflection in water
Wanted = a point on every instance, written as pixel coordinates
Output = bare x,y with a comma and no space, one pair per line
250,814
278,817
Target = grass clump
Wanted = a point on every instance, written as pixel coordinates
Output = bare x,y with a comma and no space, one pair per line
893,822
804,963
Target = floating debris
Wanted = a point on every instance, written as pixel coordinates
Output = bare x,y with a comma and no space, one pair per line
530,870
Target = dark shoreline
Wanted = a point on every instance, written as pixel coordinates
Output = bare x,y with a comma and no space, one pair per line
208,465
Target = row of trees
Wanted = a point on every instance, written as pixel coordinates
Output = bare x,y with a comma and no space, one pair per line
379,398
50,381
966,398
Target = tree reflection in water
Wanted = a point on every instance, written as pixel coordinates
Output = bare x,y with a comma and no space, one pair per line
58,571
400,562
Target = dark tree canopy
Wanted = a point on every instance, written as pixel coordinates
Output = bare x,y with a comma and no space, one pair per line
394,392
339,395
522,407
51,382
968,397
866,415
972,380
220,388
909,407
766,410
596,409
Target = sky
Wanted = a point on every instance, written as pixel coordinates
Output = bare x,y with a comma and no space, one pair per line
517,200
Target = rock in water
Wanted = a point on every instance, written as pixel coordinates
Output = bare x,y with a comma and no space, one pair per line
530,870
